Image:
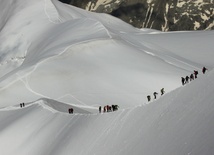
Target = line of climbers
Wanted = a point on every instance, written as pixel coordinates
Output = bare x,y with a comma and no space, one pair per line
22,105
108,108
111,108
194,75
70,110
185,80
155,94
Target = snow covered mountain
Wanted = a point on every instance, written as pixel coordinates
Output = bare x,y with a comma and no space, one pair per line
165,15
55,56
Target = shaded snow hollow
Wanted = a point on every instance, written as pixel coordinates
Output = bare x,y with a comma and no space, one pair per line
54,56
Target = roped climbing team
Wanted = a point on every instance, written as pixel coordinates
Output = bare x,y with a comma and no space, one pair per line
108,108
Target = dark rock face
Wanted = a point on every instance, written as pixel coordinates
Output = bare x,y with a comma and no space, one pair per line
165,15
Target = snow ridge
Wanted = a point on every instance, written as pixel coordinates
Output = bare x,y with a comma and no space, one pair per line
82,60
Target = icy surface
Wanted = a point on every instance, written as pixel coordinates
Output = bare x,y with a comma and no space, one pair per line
54,57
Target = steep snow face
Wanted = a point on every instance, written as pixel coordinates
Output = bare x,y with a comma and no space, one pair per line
54,56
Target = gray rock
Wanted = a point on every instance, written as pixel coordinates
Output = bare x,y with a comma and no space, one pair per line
165,15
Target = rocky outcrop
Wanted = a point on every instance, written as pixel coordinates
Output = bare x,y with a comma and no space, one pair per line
165,15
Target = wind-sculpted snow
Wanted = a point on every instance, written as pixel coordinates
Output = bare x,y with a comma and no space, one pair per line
54,57
53,106
180,122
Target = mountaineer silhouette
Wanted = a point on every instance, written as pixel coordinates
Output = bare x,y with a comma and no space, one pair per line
155,95
204,69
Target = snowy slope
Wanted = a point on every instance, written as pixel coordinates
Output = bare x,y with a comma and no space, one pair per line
102,60
54,56
181,122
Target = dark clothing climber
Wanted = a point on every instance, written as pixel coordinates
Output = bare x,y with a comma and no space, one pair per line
114,107
105,108
70,111
162,91
149,98
196,74
191,77
100,109
187,79
108,108
155,93
183,80
22,105
204,70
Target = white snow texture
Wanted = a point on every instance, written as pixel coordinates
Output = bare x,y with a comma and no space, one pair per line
54,57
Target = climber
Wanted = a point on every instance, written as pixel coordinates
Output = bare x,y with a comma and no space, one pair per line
162,91
183,80
70,111
149,98
100,109
204,69
187,79
191,77
155,93
195,73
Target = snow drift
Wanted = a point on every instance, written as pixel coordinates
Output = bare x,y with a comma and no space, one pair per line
54,56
